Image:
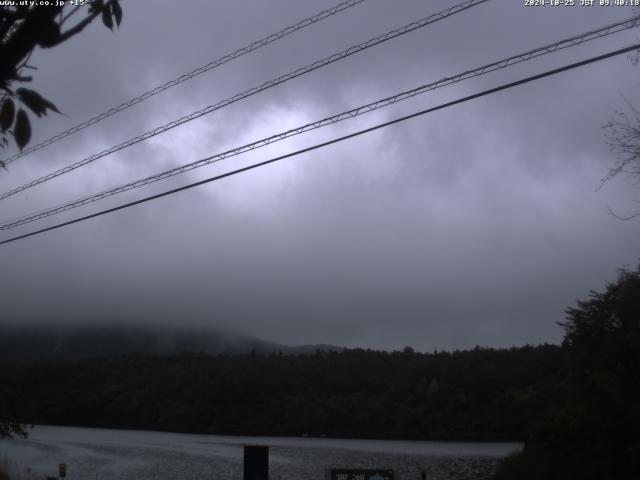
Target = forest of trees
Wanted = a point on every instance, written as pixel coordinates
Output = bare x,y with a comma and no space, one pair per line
576,406
476,394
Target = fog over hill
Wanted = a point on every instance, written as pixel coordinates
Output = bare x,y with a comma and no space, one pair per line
75,341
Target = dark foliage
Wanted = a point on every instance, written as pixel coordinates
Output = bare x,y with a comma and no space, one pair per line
22,29
10,409
591,429
476,394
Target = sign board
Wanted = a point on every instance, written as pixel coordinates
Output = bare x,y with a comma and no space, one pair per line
62,470
256,462
360,474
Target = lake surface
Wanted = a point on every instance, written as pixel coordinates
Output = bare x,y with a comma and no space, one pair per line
95,454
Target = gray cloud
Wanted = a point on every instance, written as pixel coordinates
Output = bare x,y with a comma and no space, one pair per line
478,224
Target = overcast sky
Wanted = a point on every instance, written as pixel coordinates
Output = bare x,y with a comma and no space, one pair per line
474,225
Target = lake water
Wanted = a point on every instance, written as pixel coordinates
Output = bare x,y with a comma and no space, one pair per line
102,454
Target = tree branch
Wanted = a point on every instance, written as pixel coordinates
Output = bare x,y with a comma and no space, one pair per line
68,15
620,217
79,26
30,33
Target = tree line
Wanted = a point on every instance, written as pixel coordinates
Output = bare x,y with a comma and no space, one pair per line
576,405
477,394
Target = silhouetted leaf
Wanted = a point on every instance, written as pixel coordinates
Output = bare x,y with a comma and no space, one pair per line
117,11
96,6
7,114
48,33
106,19
36,103
22,129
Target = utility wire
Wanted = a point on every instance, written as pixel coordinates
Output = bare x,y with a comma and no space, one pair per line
187,76
501,64
272,83
505,86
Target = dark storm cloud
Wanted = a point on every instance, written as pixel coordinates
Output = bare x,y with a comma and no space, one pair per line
477,224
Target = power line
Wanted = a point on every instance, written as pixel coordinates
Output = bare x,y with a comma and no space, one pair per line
272,83
187,76
335,140
501,64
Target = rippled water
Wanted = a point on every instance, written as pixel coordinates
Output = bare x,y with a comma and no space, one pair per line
95,454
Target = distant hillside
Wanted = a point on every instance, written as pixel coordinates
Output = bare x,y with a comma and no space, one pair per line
75,342
481,394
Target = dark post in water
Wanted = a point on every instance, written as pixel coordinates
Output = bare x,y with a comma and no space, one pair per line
256,462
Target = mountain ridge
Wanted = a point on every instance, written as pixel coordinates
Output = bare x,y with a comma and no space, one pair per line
48,342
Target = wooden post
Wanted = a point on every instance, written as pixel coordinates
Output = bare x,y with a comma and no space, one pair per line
256,462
